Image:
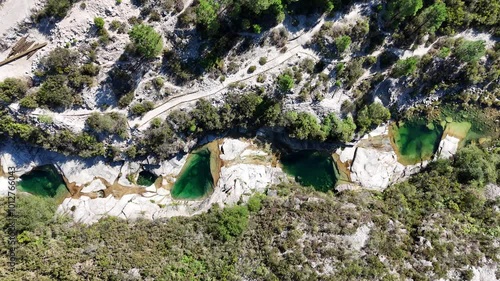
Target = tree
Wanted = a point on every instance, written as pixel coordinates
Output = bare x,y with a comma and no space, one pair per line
431,18
206,16
405,67
303,125
400,9
146,40
470,51
372,115
342,43
285,82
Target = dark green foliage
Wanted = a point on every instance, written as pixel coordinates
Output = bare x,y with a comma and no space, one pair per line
12,89
64,79
230,222
352,72
474,164
146,40
285,82
371,116
206,16
59,61
55,93
142,108
99,23
33,212
303,125
470,51
398,10
109,123
405,67
342,43
56,9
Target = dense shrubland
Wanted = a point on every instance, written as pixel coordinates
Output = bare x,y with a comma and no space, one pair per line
439,216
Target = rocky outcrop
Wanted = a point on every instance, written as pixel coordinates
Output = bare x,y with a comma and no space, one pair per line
447,147
373,163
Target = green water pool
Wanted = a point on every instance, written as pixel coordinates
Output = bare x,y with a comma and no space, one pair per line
195,179
146,178
416,141
43,181
311,168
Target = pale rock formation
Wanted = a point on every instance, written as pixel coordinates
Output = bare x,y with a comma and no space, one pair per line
375,169
359,238
232,148
447,147
94,186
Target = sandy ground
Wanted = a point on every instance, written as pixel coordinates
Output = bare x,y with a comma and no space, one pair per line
13,12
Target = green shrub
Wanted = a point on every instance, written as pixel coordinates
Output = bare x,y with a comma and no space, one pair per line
146,40
141,108
33,212
99,23
126,99
262,60
56,8
342,43
55,93
28,102
405,67
251,69
12,89
111,123
285,82
470,51
230,222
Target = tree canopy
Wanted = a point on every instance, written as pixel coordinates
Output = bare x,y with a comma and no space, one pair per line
146,40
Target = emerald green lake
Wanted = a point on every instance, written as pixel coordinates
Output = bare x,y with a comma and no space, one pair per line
417,141
311,168
43,181
146,178
195,179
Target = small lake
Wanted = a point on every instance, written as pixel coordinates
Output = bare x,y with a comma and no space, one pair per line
43,181
195,179
416,141
146,178
311,168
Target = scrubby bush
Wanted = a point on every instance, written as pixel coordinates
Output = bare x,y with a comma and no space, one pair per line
110,123
262,60
470,51
56,8
12,89
405,67
55,93
251,69
371,116
342,43
99,23
141,108
230,222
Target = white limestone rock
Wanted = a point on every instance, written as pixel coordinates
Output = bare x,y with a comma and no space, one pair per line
232,149
448,147
374,169
94,186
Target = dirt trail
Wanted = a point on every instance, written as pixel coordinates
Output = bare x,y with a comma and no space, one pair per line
294,48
